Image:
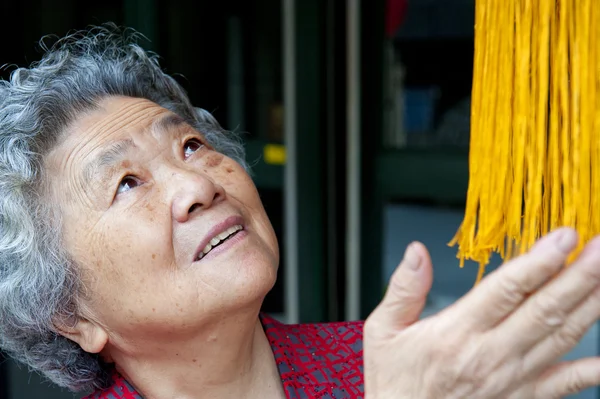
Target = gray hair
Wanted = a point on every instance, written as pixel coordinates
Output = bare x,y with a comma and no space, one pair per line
39,283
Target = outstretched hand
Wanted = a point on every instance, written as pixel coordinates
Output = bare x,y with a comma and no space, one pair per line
503,339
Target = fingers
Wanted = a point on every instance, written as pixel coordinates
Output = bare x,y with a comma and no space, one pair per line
554,310
568,378
503,291
560,342
406,294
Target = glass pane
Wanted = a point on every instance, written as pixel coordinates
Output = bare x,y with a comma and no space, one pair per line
429,68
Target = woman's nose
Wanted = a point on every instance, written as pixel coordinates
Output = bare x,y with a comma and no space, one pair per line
193,192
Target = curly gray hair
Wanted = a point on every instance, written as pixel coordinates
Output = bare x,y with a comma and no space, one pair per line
39,284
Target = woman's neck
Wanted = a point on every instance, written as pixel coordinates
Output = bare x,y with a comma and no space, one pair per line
231,360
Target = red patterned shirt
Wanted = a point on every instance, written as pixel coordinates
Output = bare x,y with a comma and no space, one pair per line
315,361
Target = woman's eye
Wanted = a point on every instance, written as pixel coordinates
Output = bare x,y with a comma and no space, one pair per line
126,184
191,146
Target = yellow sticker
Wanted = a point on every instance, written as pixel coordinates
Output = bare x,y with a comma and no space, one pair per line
274,154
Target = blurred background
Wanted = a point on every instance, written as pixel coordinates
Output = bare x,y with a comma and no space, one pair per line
355,116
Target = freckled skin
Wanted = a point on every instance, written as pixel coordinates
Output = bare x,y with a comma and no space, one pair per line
150,207
214,160
137,247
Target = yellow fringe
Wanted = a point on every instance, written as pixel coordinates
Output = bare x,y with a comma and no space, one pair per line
534,162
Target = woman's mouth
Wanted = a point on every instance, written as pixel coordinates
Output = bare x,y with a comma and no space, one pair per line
219,239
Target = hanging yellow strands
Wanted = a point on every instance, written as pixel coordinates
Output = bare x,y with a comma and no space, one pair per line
534,161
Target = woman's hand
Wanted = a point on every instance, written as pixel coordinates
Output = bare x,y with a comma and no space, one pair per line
501,340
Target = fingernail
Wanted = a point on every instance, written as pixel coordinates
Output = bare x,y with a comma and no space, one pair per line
412,258
566,240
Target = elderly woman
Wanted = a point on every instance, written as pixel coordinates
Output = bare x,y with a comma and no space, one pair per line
135,254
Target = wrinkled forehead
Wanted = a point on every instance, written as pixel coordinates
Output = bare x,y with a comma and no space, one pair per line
114,116
115,119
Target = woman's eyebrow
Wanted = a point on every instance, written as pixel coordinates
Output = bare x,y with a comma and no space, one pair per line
167,123
97,168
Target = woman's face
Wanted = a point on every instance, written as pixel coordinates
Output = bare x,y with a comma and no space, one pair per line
170,234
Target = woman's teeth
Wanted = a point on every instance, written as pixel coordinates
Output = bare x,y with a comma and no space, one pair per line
219,239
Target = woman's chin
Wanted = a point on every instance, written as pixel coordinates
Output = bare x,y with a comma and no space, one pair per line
246,272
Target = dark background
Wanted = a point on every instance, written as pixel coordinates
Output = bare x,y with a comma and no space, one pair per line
193,38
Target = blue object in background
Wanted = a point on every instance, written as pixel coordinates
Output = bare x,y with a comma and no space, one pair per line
419,109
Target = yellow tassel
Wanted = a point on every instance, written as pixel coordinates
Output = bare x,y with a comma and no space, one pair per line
534,160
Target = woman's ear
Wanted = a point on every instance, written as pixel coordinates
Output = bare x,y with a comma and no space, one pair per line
91,337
